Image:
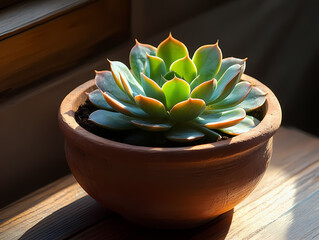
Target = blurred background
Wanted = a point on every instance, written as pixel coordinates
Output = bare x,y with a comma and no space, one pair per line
49,47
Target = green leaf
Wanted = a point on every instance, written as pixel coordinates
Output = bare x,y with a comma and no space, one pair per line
205,90
184,133
226,84
97,99
127,87
240,92
195,83
170,75
215,120
212,135
255,99
228,62
162,81
138,57
153,107
111,120
248,123
104,80
170,50
117,68
176,90
187,110
185,68
151,125
207,60
155,68
152,90
122,107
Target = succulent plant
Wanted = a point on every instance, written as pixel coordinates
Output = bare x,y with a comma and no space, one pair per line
185,98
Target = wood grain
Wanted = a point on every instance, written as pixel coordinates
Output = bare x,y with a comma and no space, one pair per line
61,41
28,14
62,206
285,205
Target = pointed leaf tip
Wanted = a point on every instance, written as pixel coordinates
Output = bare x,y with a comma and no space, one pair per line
152,106
207,59
175,90
187,110
120,68
105,81
138,57
170,50
185,68
227,63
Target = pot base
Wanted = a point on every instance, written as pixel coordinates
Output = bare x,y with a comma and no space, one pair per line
168,224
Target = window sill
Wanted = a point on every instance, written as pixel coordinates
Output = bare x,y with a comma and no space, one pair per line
55,35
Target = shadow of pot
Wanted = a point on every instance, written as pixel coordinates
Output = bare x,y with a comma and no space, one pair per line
179,187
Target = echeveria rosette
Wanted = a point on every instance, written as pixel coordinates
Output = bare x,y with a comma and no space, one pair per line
166,90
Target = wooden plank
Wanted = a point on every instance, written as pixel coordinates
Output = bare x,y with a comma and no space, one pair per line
302,220
27,14
35,198
53,212
293,152
62,42
262,216
285,205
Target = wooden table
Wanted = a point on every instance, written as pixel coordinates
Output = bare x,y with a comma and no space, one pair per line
285,205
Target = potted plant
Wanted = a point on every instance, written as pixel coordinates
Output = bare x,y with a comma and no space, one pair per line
213,149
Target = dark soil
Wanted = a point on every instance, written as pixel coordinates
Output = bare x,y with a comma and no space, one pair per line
258,113
135,136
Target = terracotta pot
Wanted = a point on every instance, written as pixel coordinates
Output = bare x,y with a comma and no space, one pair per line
178,187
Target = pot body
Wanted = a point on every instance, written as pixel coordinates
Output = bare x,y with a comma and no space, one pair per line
167,187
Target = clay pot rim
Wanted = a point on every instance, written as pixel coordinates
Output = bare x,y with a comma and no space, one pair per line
265,130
